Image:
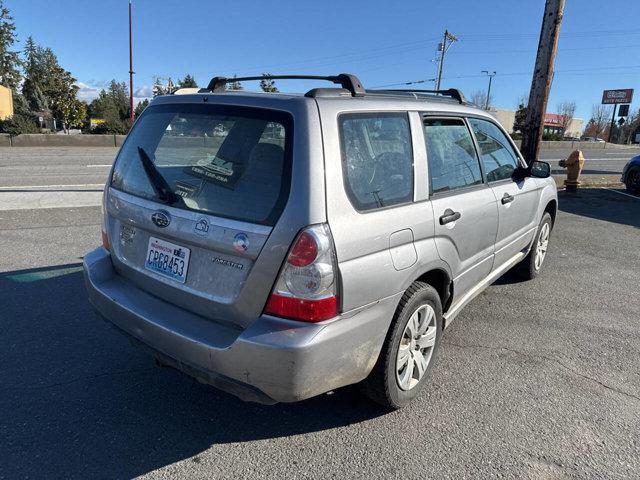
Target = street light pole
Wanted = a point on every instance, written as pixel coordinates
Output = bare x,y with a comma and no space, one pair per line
132,113
490,75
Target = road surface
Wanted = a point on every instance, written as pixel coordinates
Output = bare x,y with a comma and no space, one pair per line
534,380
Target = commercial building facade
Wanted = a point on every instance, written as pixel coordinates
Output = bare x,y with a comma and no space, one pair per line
552,122
6,103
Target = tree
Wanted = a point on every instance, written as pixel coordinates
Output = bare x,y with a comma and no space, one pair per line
36,62
141,106
521,115
187,82
9,60
19,124
235,85
566,110
112,106
600,117
479,97
49,88
160,89
268,85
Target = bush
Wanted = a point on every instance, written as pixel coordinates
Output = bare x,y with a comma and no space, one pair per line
552,136
19,124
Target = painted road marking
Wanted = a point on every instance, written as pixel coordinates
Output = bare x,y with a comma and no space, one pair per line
54,187
621,193
42,200
99,166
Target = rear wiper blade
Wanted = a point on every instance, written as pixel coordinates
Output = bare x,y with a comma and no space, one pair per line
159,184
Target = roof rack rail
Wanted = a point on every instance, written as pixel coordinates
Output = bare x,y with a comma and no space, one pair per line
346,80
451,92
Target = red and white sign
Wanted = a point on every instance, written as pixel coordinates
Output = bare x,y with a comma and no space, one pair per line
617,96
553,120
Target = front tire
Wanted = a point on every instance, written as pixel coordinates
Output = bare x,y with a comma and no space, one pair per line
530,267
410,348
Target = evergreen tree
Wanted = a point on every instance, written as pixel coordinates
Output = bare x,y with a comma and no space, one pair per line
112,106
268,85
9,60
49,88
235,85
187,82
141,106
521,115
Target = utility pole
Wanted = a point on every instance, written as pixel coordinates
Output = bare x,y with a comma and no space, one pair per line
613,123
447,41
490,75
542,78
132,112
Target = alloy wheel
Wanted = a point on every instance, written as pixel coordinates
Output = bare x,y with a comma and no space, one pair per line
416,347
543,244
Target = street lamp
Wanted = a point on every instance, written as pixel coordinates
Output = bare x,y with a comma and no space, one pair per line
490,75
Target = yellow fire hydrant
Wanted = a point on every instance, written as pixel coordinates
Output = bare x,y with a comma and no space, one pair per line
574,165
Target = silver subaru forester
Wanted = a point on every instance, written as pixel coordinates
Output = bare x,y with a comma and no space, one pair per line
280,246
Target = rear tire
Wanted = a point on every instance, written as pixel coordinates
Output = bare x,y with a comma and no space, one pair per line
530,267
410,349
632,180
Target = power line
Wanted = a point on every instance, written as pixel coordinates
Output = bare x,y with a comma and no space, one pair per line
510,74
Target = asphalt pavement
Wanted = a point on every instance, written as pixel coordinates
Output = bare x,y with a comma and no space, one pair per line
534,380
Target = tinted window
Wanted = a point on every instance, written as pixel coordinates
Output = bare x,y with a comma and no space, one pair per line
226,161
498,158
453,162
377,159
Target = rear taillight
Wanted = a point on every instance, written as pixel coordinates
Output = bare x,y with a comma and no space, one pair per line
306,288
105,240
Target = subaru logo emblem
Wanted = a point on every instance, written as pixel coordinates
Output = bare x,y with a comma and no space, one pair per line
161,218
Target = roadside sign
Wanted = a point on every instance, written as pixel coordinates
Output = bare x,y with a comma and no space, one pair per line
621,121
623,111
617,96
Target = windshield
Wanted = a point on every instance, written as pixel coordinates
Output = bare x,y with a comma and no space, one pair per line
228,161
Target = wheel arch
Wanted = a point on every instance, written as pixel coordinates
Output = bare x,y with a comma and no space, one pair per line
441,281
552,209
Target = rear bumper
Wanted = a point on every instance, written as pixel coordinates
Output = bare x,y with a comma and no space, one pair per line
273,360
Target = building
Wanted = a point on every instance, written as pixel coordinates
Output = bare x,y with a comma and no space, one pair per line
6,103
552,122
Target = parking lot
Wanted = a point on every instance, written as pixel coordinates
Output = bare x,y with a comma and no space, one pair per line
535,379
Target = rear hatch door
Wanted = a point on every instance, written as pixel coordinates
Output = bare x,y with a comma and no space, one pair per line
194,195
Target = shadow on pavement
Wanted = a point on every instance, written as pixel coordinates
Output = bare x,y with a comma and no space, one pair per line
601,204
79,402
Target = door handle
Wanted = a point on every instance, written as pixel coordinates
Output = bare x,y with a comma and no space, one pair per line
507,198
449,216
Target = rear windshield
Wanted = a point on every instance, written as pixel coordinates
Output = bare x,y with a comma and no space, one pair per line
233,162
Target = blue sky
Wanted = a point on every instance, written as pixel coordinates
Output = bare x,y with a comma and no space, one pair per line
382,42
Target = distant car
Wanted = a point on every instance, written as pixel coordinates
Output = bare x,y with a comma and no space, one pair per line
631,175
593,139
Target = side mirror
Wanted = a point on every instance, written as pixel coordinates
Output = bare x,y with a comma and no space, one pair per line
540,169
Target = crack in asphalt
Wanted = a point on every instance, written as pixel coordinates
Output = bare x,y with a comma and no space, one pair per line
549,359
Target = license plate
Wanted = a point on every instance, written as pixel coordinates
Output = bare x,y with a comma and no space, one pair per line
167,259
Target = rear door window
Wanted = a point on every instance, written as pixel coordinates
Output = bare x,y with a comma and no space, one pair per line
377,159
233,162
453,163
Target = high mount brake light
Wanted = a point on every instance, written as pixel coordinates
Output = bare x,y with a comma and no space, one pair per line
306,288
